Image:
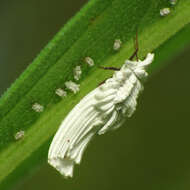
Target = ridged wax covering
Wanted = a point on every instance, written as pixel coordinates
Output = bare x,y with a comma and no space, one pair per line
103,109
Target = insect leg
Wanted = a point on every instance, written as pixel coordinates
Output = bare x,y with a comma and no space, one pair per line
107,68
110,68
136,48
102,82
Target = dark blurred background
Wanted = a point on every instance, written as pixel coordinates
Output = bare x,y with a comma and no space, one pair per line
150,152
25,28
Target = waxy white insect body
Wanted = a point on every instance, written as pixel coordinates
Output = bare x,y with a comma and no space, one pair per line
103,109
117,44
37,107
164,11
60,92
89,61
77,72
19,135
173,2
72,86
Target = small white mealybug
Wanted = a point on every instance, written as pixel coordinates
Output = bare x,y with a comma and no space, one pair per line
77,72
37,107
89,61
104,109
117,44
60,92
164,11
72,86
19,135
173,2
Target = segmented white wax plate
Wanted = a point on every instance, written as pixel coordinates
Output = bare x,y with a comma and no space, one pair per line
103,109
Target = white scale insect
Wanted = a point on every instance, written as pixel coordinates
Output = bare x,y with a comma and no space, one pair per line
105,108
19,135
173,2
165,11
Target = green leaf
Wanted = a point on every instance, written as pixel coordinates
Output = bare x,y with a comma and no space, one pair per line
90,33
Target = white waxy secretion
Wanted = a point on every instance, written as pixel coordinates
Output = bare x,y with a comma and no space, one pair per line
117,44
102,110
164,11
173,2
60,92
77,72
37,107
89,61
72,86
19,135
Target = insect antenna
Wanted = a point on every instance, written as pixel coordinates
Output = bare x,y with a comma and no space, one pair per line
109,68
136,45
